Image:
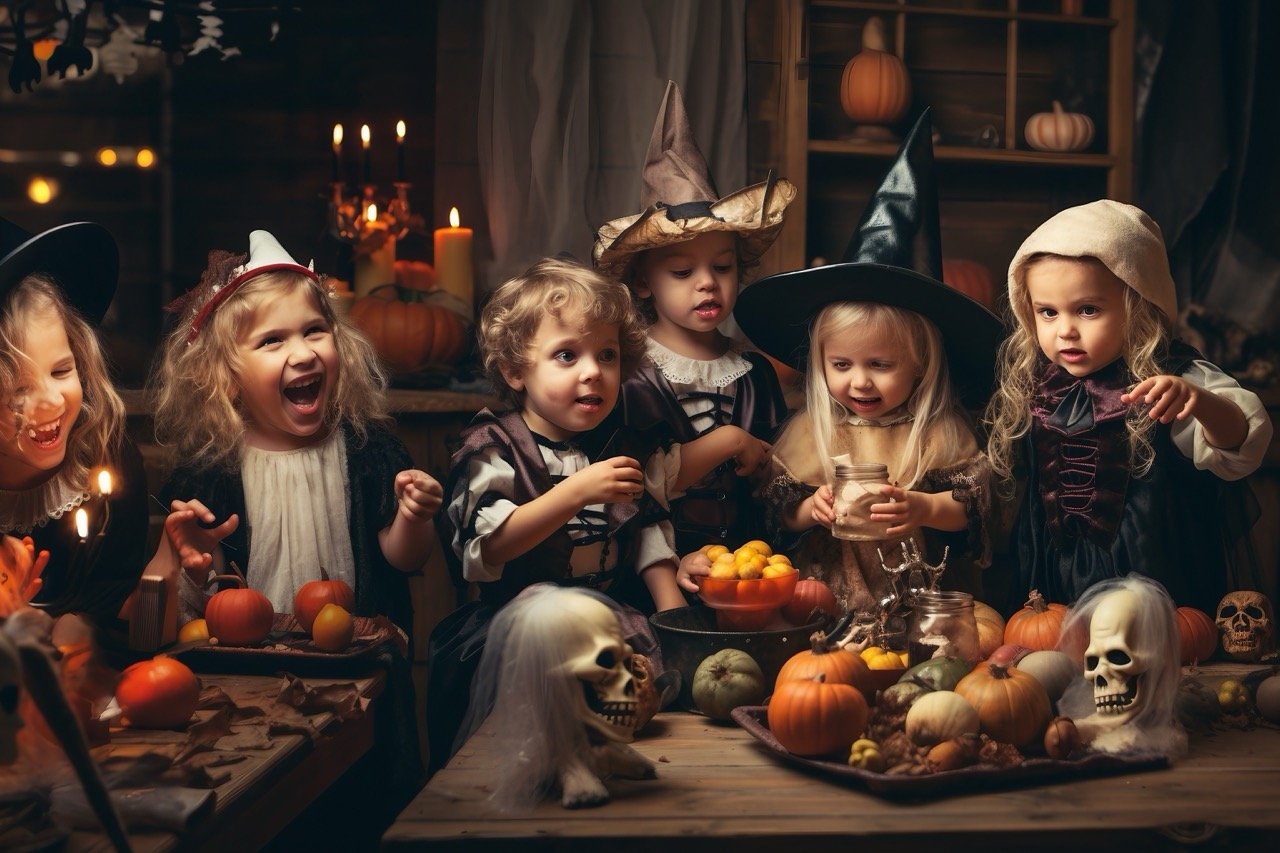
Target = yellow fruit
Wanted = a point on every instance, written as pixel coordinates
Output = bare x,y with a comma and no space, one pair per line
714,551
905,658
870,652
193,631
778,558
333,628
751,566
724,571
759,546
705,548
883,660
777,570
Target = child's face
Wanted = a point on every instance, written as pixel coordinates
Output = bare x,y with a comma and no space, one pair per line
573,378
48,402
289,367
1079,313
871,375
694,285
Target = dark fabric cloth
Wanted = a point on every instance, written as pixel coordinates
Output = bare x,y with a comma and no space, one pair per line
458,640
719,509
120,559
1171,524
380,588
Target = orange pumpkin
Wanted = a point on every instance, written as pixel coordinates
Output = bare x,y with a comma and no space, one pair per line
970,278
407,330
837,665
1059,130
415,275
990,628
1038,625
160,693
1012,705
239,616
1197,635
875,88
811,716
312,596
809,594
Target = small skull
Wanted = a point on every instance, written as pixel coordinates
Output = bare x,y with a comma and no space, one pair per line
1115,660
647,698
595,654
1246,625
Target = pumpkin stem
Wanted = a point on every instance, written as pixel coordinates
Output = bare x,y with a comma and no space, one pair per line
1057,108
1036,602
998,671
819,644
324,575
235,579
873,35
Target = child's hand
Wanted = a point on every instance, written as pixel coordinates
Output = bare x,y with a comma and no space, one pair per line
1170,398
615,480
691,565
419,495
822,506
194,544
752,457
904,511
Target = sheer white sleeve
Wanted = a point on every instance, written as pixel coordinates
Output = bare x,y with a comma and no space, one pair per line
476,513
660,473
1188,435
657,543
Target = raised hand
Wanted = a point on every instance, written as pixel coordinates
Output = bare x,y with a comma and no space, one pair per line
615,480
1171,398
418,494
193,543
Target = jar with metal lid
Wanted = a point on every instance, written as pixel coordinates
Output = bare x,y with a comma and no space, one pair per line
856,488
942,624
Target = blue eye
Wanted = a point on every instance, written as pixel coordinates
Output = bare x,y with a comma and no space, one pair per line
565,356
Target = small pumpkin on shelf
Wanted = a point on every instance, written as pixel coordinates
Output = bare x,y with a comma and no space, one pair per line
1197,635
411,329
874,88
1059,131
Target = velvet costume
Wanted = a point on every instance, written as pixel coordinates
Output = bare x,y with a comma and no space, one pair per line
458,640
1086,518
720,508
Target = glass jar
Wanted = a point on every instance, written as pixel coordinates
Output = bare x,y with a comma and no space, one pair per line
856,488
942,625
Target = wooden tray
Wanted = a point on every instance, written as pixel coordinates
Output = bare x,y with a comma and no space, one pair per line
1032,771
289,647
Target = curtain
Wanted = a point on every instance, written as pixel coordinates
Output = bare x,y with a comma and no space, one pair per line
568,95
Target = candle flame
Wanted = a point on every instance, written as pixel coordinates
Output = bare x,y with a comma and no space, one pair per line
337,135
372,213
400,131
454,221
82,523
104,482
364,136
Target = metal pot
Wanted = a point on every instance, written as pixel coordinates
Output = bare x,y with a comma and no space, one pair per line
688,635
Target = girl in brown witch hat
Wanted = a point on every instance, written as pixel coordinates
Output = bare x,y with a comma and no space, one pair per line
890,353
684,258
65,422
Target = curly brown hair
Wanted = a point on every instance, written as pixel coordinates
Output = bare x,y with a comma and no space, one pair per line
510,319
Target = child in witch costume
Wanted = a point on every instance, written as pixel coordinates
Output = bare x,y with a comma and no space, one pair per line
1128,436
537,494
273,403
684,258
66,421
881,340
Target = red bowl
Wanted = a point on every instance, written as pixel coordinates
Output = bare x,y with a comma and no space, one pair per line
757,594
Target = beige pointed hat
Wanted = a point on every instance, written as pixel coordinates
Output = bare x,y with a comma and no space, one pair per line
680,202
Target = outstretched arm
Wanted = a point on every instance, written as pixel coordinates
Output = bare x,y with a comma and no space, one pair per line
1172,398
701,456
407,541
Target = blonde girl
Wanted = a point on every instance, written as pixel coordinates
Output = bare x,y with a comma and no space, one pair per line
1128,439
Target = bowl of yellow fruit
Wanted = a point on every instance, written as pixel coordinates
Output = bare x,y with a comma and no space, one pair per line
749,578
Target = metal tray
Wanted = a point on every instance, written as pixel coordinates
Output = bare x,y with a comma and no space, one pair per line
288,647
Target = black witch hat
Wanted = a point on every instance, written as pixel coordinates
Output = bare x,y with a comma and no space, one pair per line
894,258
81,257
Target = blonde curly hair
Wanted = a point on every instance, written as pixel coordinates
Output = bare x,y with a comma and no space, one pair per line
1020,362
566,290
94,439
194,389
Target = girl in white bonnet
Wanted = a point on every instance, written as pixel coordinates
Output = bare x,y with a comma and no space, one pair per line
1128,436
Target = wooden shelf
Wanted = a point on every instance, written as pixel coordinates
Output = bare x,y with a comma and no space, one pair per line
963,154
894,8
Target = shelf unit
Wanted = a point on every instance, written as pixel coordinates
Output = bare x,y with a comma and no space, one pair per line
985,66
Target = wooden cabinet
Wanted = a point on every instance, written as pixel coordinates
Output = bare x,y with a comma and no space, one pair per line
985,66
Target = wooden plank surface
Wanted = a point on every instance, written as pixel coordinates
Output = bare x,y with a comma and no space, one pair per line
716,782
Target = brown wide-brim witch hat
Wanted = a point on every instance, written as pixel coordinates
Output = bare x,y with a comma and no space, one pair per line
80,257
894,258
680,202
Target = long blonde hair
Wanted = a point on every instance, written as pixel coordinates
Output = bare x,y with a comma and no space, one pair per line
932,403
195,388
1020,362
94,439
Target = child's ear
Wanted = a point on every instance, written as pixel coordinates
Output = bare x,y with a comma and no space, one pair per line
513,379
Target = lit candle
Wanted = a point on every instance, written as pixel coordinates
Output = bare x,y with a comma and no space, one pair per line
364,143
400,150
104,482
337,151
375,266
453,260
82,524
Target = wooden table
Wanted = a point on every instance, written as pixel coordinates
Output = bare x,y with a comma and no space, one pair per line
717,786
263,792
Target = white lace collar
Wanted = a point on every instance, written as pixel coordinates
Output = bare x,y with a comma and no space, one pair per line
713,373
24,510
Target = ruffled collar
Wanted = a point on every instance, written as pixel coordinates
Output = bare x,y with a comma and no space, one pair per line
26,509
713,373
1071,405
903,416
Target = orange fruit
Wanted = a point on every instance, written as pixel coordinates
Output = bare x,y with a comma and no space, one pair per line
193,631
778,558
333,628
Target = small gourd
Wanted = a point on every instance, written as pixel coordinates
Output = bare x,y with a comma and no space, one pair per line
834,663
1059,130
875,88
1053,669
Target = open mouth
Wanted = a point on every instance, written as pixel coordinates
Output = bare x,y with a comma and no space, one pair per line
46,435
865,402
304,392
708,310
591,402
1116,703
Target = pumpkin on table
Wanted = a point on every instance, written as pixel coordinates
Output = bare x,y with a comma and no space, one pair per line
833,662
811,716
1012,705
409,328
1197,635
1038,625
990,628
238,616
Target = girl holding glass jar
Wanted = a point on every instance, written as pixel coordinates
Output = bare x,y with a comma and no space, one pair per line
879,340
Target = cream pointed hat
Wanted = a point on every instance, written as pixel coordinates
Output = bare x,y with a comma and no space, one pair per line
265,255
680,202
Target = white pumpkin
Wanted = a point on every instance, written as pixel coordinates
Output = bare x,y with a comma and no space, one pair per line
1059,130
940,716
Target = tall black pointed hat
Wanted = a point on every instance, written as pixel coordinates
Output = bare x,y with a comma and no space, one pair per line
894,258
81,257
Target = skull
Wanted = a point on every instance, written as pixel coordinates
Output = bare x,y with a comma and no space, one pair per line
647,699
1115,660
10,689
596,655
1246,625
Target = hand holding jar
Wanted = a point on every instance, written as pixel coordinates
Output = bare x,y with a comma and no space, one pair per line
857,486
